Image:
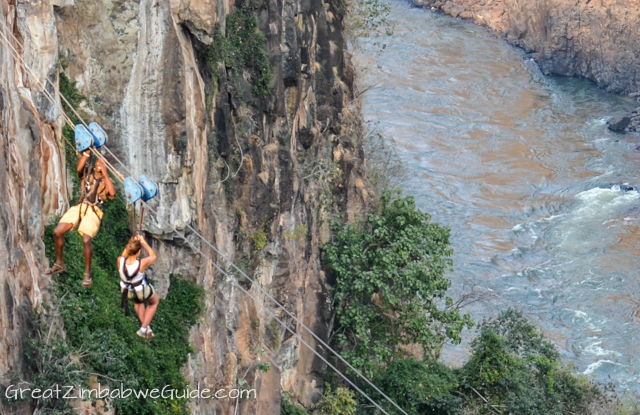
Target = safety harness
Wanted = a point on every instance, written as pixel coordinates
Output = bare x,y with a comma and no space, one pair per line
89,190
131,281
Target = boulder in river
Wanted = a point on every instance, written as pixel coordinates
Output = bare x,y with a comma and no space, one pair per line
619,124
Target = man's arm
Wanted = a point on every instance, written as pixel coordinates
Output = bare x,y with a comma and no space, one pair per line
111,188
83,160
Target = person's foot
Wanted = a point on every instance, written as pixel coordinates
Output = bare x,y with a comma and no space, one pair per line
86,283
142,333
56,269
150,334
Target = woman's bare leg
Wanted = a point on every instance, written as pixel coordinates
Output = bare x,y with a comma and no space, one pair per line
139,311
150,311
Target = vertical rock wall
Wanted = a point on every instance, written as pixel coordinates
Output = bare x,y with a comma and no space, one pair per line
31,165
238,166
593,39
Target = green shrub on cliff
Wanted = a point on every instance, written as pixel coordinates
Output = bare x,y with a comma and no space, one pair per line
99,331
338,402
390,293
390,285
514,366
242,49
420,387
513,369
51,361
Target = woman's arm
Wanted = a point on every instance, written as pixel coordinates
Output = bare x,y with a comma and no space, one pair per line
118,260
150,259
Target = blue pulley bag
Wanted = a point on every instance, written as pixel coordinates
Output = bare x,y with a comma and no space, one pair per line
132,190
84,139
149,188
99,135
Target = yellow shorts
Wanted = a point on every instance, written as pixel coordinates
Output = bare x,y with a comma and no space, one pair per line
88,217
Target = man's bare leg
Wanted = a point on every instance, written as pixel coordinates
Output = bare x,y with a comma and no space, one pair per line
58,240
88,252
58,244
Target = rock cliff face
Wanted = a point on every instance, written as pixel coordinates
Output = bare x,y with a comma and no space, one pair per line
31,166
256,173
593,39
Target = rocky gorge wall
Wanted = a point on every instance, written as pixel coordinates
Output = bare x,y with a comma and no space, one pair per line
257,172
593,39
31,166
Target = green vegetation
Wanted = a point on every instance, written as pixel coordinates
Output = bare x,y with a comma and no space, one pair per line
340,402
263,366
273,335
626,408
71,93
297,233
259,239
51,361
513,365
242,49
325,176
420,387
367,18
513,369
389,284
392,317
287,407
99,331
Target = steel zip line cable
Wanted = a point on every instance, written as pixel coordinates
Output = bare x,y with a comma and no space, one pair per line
285,325
264,291
52,100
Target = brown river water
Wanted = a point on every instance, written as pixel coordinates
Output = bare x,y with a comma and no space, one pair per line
523,170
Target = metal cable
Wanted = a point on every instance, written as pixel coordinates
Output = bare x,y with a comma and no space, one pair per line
264,291
52,100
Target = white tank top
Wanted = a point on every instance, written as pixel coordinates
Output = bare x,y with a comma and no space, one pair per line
131,268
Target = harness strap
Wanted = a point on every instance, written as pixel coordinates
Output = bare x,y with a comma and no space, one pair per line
93,208
92,196
124,301
126,271
85,197
134,284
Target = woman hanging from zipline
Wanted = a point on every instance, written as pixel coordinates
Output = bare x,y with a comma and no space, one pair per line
134,285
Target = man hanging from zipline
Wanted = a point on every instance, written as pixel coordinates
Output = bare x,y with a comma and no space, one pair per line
96,187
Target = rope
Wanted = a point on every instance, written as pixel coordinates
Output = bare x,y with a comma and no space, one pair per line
53,101
254,283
